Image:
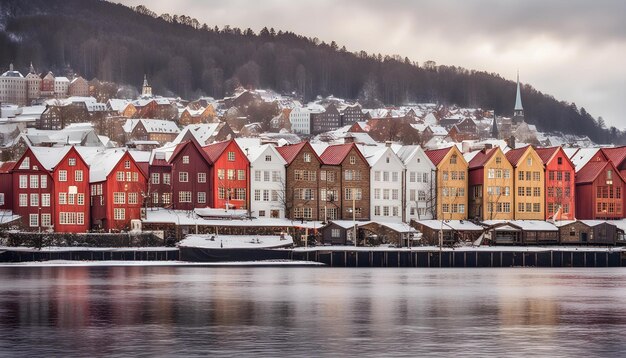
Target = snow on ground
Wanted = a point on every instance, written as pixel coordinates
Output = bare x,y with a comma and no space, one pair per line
66,263
237,241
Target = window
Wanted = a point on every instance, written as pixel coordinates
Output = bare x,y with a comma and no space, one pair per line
78,175
257,175
307,157
62,175
274,195
43,181
559,160
183,177
201,177
491,173
268,158
385,194
119,198
23,199
23,181
33,220
166,178
529,162
129,176
34,181
1,199
266,195
25,164
119,214
45,200
46,220
257,195
377,210
221,193
412,177
537,176
377,175
80,218
394,194
63,198
80,199
184,196
498,160
155,178
241,175
537,191
445,208
166,198
385,211
536,207
185,159
119,176
34,200
377,193
72,161
127,164
261,212
520,175
231,156
132,198
135,176
240,194
266,175
201,197
453,159
352,159
445,175
421,195
394,176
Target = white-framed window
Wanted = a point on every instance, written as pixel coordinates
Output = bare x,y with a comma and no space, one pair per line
257,194
155,178
261,212
129,176
119,214
266,195
119,176
166,178
231,174
127,164
201,177
275,176
72,162
25,164
185,159
307,157
1,199
23,181
268,158
377,193
119,198
78,175
33,220
241,175
133,198
23,199
45,200
352,159
240,194
34,181
80,199
43,181
80,218
183,177
46,220
184,196
62,175
135,176
63,198
201,197
71,199
34,200
257,175
166,198
231,156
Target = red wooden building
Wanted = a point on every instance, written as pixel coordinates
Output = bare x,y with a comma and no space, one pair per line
190,176
560,187
117,188
230,175
160,180
51,186
599,191
6,186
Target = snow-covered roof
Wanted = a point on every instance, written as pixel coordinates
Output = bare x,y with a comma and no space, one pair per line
49,157
236,241
61,79
525,225
201,132
152,125
101,161
582,156
7,216
447,225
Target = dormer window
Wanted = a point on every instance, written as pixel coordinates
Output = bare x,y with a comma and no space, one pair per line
25,163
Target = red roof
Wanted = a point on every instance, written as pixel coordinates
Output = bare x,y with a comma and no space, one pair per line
482,158
289,152
437,155
214,150
6,167
514,155
547,153
590,172
616,155
335,154
193,142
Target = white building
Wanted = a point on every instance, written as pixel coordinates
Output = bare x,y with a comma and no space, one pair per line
267,181
300,118
386,186
419,177
61,86
13,88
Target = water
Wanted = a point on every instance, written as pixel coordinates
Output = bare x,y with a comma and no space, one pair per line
290,311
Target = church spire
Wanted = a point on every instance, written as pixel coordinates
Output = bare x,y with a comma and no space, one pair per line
32,68
146,90
518,111
494,127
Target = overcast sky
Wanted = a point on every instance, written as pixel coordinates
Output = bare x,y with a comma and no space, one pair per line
572,49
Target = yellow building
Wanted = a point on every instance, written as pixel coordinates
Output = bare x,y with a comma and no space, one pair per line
451,183
529,183
490,182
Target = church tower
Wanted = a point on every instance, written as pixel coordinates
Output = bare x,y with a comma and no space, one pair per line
146,90
494,127
518,111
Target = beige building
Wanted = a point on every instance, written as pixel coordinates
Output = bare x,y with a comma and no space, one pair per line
13,87
529,183
451,183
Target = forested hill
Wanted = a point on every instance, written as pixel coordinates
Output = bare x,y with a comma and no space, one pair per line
181,56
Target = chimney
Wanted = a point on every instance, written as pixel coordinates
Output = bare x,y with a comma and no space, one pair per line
465,147
348,139
388,144
511,142
488,146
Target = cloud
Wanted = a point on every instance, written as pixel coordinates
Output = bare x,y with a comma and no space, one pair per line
571,49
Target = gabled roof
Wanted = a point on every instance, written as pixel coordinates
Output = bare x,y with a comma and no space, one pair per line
101,162
591,170
49,157
437,155
546,154
336,154
482,158
616,155
179,148
202,132
152,125
515,155
291,151
215,150
6,167
583,155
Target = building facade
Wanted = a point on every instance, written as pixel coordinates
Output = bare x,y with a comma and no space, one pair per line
302,181
560,187
451,183
491,186
267,182
529,183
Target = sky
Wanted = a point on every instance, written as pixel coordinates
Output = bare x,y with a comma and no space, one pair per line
571,49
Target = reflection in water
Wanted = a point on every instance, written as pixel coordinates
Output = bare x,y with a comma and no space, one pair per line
130,311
